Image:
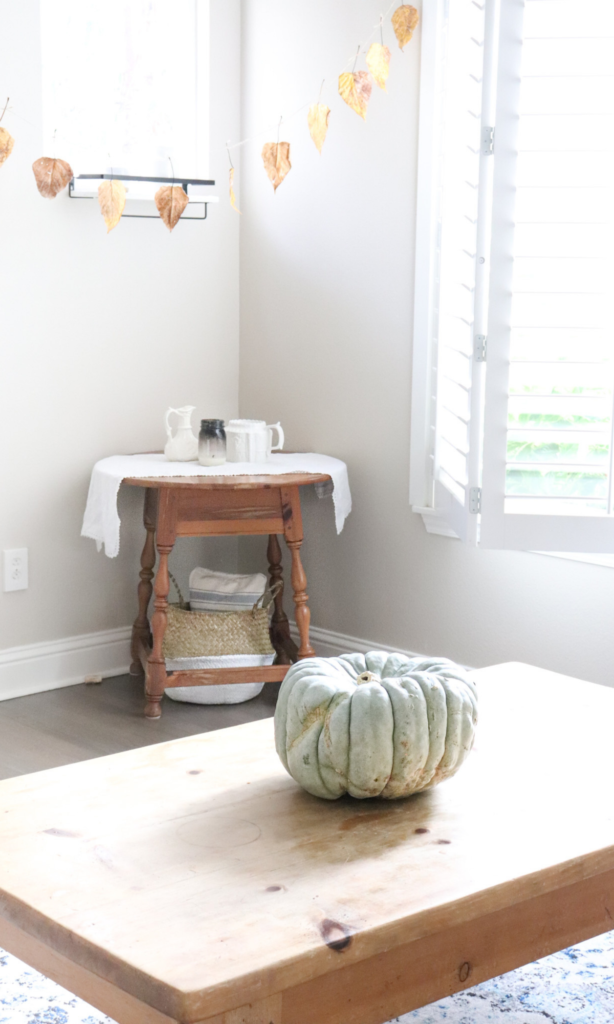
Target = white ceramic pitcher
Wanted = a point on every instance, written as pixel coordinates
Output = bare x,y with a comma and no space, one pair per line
252,440
182,446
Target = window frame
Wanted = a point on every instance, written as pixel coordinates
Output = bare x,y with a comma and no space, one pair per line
490,526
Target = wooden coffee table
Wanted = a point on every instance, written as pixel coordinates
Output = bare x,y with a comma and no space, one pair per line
194,880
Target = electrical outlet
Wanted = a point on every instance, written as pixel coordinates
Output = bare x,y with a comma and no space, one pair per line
16,569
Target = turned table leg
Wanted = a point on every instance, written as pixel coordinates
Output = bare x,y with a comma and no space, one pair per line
155,679
293,532
141,633
283,643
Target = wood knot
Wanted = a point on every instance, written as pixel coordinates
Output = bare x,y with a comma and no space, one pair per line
464,971
335,935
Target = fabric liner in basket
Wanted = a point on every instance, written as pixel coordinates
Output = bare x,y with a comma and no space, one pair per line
224,591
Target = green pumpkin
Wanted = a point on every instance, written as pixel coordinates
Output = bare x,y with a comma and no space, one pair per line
374,725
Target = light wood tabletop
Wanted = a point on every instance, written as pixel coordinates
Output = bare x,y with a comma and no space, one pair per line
194,880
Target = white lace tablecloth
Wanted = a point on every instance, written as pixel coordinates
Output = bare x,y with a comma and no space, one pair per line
101,520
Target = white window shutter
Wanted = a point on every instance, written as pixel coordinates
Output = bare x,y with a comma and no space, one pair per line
547,472
452,227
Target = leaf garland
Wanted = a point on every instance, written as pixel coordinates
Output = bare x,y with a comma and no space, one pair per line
276,160
355,88
317,119
378,62
404,21
6,139
171,201
51,175
231,191
112,199
6,145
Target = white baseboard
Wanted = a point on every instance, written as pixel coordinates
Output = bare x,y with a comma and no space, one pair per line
49,666
328,644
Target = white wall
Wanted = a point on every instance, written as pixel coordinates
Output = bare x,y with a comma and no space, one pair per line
98,335
326,315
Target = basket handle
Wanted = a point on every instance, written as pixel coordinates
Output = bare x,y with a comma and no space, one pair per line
185,605
268,596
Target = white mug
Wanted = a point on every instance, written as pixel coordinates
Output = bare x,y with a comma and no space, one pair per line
252,440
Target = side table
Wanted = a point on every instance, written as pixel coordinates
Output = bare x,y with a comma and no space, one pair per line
195,506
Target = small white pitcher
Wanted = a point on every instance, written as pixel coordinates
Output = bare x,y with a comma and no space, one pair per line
183,445
252,440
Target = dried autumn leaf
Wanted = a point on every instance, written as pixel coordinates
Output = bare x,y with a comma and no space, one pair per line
171,201
233,198
112,199
317,119
6,145
355,88
276,160
378,62
51,175
404,21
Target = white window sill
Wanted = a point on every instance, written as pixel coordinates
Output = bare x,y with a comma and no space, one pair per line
436,524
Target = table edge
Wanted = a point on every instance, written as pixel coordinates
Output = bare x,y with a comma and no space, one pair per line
198,1005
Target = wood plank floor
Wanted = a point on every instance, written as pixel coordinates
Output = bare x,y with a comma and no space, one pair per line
44,730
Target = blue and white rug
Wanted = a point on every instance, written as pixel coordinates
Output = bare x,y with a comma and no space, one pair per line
572,987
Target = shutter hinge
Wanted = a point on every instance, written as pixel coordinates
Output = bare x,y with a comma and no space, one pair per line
479,348
475,500
488,141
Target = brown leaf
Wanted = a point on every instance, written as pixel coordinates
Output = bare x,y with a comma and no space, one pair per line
317,119
355,88
171,201
112,199
233,198
51,175
6,145
378,62
404,21
276,159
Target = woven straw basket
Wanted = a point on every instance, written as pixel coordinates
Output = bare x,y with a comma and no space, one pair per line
198,634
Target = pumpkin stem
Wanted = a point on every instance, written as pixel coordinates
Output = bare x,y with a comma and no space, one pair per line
367,677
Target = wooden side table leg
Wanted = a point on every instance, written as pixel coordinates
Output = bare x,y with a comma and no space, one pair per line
293,532
302,613
155,680
141,633
283,643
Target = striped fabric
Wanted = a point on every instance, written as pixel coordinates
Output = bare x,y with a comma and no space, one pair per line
224,591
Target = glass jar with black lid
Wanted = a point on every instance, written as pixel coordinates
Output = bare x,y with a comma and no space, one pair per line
212,443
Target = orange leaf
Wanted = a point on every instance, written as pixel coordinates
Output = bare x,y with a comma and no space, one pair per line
233,198
378,62
6,145
112,199
51,175
171,201
317,119
404,21
276,159
355,88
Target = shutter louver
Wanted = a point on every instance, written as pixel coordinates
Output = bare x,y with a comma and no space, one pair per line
454,322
